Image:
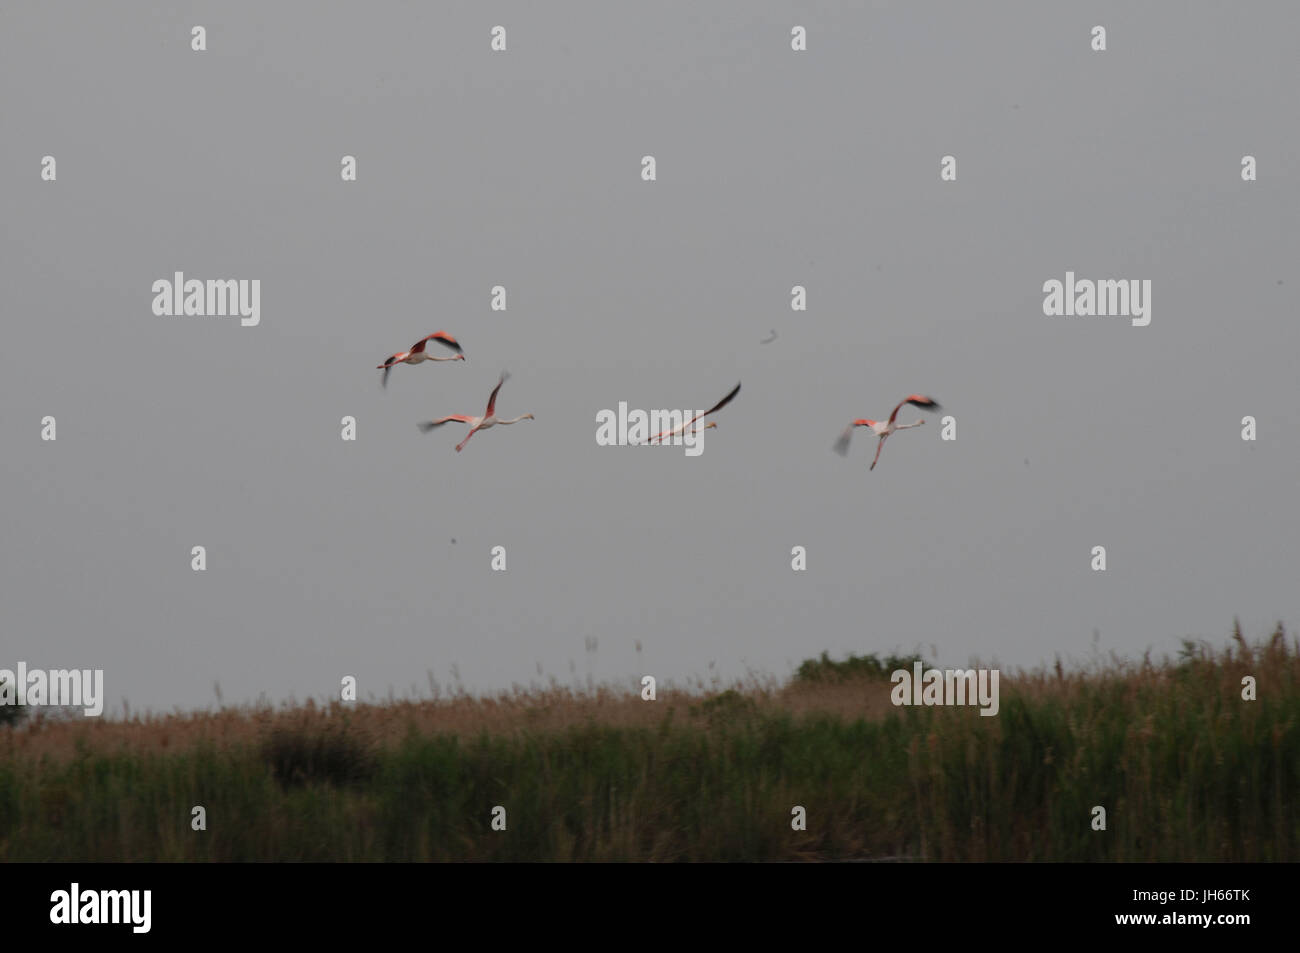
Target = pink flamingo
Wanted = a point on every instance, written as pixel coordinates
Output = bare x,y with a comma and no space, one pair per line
661,437
418,354
884,430
489,418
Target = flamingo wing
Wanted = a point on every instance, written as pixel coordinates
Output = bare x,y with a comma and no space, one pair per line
842,444
718,406
430,424
916,400
389,363
492,401
442,337
722,403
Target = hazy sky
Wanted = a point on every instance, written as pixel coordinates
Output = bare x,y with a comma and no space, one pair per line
775,168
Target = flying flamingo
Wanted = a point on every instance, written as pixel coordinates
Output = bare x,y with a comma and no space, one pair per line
661,437
884,430
417,353
489,418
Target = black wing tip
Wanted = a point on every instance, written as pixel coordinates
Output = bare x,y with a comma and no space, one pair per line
724,402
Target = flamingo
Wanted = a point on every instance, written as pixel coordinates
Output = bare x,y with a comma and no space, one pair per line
883,430
417,353
661,437
489,418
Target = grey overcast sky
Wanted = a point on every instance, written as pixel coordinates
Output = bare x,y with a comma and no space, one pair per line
775,169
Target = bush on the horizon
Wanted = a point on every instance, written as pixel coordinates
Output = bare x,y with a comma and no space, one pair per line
826,669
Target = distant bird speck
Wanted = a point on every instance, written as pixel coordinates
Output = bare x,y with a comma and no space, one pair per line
769,340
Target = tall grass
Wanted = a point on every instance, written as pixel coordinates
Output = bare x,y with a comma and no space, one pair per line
1185,769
